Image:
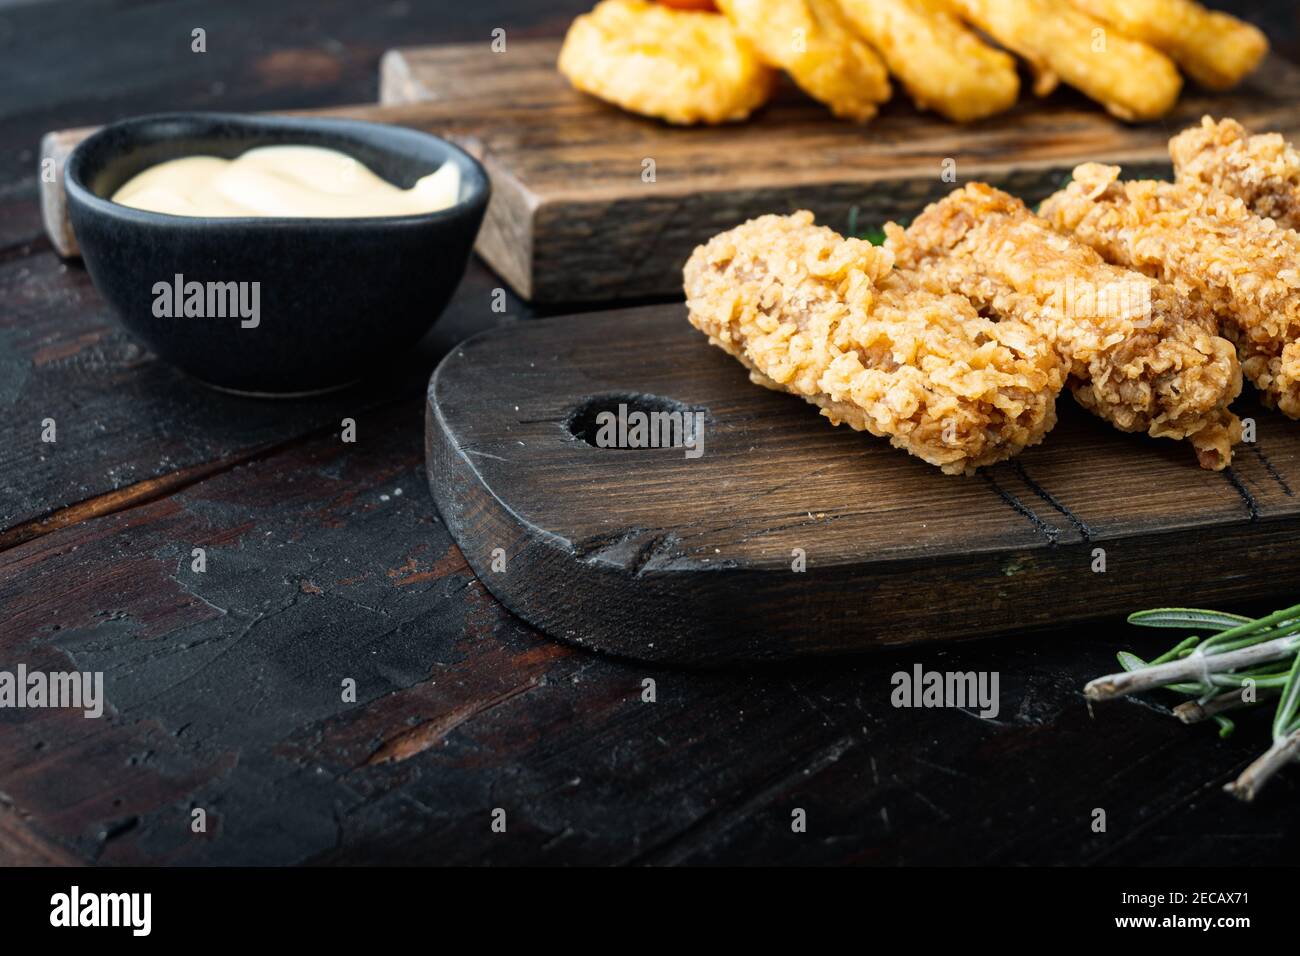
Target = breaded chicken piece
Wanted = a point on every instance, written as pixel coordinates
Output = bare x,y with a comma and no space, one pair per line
827,318
1217,50
1133,80
1141,356
944,66
1209,245
1263,171
812,41
683,66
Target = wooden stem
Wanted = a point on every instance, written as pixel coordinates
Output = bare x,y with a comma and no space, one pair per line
1254,777
1189,668
1195,711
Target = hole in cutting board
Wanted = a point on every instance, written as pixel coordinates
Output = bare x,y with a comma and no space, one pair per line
634,421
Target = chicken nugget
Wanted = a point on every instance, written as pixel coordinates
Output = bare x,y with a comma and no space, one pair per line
1245,268
885,351
678,65
1142,356
1216,50
813,42
1263,170
1133,80
944,66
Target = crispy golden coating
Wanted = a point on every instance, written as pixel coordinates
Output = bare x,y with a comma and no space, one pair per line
1209,245
682,66
1142,356
944,66
1133,80
812,41
827,318
1216,50
1263,171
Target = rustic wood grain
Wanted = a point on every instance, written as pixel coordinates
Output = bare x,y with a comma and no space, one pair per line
129,426
224,687
689,560
572,220
483,712
20,847
56,147
567,169
67,65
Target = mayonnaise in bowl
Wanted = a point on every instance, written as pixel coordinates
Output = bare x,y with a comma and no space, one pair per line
283,181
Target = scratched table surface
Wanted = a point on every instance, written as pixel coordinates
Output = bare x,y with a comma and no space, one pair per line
327,561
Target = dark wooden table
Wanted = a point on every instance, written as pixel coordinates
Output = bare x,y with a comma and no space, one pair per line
327,561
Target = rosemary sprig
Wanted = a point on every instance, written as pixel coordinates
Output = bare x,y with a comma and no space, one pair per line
874,234
1239,652
1186,617
1196,711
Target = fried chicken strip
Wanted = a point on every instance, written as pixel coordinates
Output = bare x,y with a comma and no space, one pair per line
1133,80
886,351
1207,244
682,66
1216,49
1141,355
1263,170
813,42
944,66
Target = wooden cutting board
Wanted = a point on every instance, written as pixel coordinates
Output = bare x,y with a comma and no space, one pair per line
573,220
652,555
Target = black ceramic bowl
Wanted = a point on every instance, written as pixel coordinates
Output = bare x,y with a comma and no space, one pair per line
336,297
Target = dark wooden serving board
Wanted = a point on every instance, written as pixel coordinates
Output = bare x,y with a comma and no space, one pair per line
648,554
572,219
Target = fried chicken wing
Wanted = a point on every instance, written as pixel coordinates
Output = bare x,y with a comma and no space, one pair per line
1216,50
812,41
1141,356
944,66
1263,171
882,350
1209,245
1133,80
682,66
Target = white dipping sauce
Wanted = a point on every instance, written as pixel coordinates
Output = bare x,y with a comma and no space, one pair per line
297,181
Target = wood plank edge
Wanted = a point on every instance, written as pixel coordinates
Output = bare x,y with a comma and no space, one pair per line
55,149
397,85
618,602
506,240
